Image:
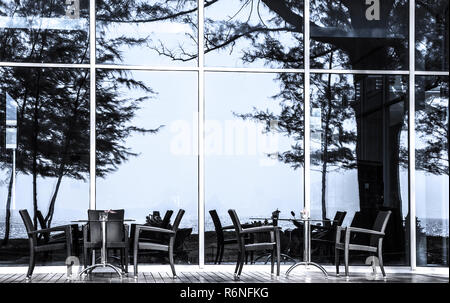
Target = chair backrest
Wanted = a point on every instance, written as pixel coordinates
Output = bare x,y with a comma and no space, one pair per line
166,220
237,225
217,224
339,218
176,222
43,225
235,219
29,226
115,230
275,217
380,225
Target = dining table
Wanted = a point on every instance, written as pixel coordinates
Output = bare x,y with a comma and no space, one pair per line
103,250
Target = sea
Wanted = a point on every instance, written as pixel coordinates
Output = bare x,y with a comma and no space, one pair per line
431,227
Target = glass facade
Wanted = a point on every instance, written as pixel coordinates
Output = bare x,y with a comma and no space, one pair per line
201,105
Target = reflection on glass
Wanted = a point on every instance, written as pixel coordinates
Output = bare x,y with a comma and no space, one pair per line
359,34
432,35
50,161
254,33
143,32
253,153
146,143
432,132
44,31
359,158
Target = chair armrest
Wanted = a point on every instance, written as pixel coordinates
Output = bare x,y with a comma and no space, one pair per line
364,231
64,228
260,229
320,228
228,227
152,228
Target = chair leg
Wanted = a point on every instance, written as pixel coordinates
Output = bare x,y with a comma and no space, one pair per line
272,261
278,253
172,266
380,260
242,262
85,257
216,259
346,261
135,262
93,257
222,248
32,263
125,261
238,263
336,260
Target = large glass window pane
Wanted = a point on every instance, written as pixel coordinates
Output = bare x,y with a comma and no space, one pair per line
254,33
432,114
146,150
44,31
432,35
147,32
359,34
359,144
253,154
46,137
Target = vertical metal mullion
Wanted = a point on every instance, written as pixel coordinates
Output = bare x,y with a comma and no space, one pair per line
306,92
201,119
92,46
411,139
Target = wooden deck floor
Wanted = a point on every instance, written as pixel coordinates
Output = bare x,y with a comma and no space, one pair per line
226,276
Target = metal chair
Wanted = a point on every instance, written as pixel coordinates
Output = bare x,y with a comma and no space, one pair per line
275,217
324,235
146,245
60,237
49,245
375,245
116,236
273,244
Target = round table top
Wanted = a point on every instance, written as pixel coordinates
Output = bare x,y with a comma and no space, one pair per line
107,220
296,219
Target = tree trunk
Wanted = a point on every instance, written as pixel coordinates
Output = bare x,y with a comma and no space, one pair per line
326,142
35,151
8,211
51,207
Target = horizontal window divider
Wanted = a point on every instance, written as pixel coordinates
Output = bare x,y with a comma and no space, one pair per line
431,73
251,70
48,65
362,71
149,68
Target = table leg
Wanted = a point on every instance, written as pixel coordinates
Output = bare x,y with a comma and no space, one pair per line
307,251
104,257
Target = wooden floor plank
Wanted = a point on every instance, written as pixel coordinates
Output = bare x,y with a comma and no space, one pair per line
248,276
4,278
12,278
193,277
189,278
157,277
149,277
216,278
35,278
